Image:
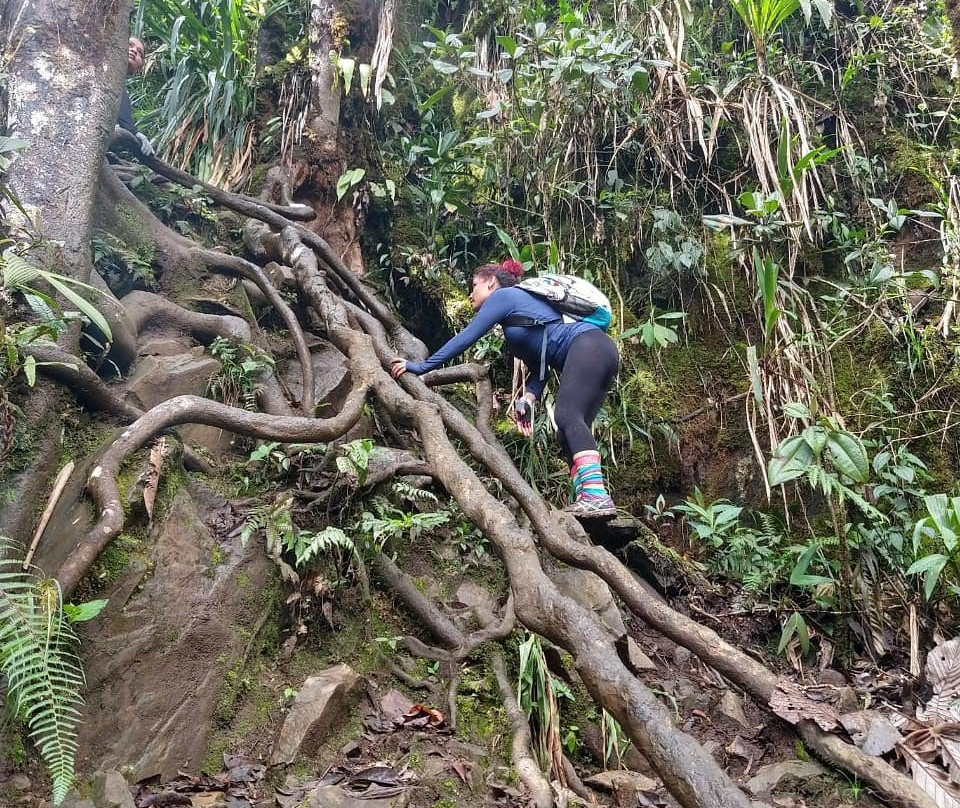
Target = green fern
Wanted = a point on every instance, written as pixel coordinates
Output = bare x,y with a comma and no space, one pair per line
403,490
44,674
310,545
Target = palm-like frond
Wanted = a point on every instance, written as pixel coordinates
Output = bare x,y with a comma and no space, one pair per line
44,675
205,119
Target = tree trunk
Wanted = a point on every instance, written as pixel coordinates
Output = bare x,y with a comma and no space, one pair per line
67,62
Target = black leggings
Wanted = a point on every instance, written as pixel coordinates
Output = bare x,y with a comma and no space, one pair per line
588,372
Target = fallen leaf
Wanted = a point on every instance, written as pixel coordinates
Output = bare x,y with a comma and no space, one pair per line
943,669
161,449
935,782
790,702
462,770
420,715
871,731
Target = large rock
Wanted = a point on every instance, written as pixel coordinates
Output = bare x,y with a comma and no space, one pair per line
331,377
322,700
110,790
158,656
591,592
158,378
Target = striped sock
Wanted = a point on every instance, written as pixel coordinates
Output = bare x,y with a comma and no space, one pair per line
588,476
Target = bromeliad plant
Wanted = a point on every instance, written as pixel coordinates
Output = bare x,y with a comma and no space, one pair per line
206,71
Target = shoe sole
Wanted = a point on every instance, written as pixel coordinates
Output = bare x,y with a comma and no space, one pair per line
608,513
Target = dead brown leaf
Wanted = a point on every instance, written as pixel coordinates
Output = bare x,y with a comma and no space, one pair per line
160,450
419,715
791,702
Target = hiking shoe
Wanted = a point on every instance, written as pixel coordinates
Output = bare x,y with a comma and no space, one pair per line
592,508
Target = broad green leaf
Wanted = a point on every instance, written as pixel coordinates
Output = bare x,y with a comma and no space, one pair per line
30,370
796,410
816,436
849,455
365,72
82,612
433,98
443,67
17,271
795,625
85,307
508,43
346,66
347,180
799,576
791,459
931,566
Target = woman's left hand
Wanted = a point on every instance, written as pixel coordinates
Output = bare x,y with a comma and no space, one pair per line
398,367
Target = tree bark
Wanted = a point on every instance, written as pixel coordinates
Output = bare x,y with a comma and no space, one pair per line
66,64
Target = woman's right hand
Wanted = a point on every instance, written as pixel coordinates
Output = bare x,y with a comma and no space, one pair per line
523,413
398,366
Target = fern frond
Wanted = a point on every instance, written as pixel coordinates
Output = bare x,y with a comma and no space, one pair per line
404,490
44,675
310,545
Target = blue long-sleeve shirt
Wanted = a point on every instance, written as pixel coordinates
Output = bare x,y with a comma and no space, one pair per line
524,342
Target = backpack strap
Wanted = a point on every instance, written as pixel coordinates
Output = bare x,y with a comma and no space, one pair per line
533,322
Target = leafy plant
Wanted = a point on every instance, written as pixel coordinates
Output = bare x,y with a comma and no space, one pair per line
38,659
355,460
538,691
655,332
388,522
235,382
282,535
19,275
764,17
739,552
205,75
938,530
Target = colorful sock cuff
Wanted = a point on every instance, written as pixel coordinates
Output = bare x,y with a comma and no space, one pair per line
588,476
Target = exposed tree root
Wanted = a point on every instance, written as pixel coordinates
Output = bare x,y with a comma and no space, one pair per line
691,775
440,626
255,275
736,666
91,390
448,634
145,309
102,482
529,772
73,372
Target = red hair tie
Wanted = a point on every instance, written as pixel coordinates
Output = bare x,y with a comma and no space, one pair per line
513,266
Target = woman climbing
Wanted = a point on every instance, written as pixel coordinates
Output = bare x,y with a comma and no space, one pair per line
584,355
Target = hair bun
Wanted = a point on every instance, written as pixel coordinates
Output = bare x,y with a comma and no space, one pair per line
513,266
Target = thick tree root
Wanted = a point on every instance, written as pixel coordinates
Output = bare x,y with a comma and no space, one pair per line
91,391
255,275
102,482
736,666
145,309
691,775
540,791
448,634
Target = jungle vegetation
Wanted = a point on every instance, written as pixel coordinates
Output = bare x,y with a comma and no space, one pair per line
766,189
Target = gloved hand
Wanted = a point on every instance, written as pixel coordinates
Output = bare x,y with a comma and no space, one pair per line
146,147
523,412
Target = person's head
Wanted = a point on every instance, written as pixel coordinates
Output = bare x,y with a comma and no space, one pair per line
490,277
135,53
